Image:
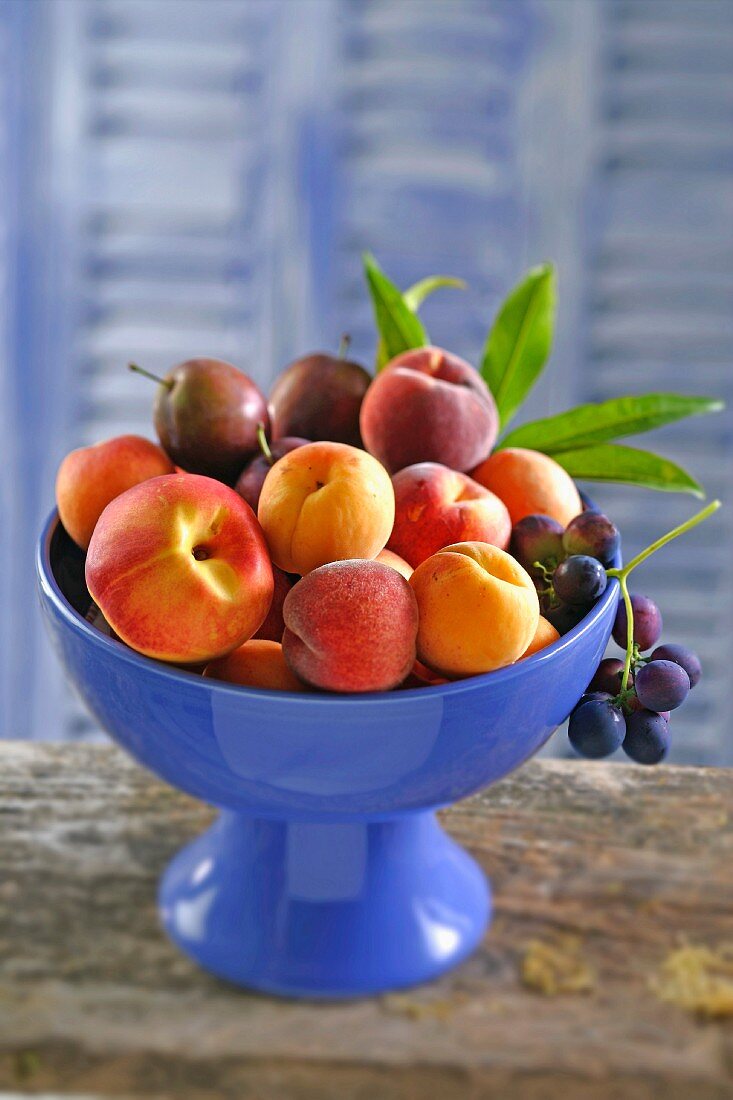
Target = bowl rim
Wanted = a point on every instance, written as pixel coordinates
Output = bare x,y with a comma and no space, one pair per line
117,649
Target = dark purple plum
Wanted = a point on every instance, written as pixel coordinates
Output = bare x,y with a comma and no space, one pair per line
593,534
682,656
597,727
647,737
252,478
647,622
662,685
579,580
537,538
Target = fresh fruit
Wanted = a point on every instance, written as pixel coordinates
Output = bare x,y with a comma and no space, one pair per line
579,580
435,506
537,538
206,414
597,727
593,534
257,663
647,622
478,609
530,483
351,626
647,737
428,406
683,656
544,635
252,478
422,676
90,477
562,616
607,677
319,397
661,685
387,557
180,569
325,502
274,625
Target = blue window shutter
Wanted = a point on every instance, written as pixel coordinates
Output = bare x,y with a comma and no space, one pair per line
659,306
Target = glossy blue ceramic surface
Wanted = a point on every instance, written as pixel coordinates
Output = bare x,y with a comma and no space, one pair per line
327,873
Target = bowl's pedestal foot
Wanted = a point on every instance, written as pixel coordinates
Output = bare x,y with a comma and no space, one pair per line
325,910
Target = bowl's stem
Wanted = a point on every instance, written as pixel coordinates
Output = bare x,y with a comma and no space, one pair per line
325,910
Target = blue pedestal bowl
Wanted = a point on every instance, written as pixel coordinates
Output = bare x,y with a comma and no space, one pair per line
326,873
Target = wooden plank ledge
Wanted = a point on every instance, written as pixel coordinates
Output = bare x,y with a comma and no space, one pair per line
610,864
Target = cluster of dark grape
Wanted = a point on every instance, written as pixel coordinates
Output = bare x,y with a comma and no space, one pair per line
569,570
635,719
568,565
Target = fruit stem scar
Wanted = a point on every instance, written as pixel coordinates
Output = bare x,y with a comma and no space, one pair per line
167,382
200,553
264,445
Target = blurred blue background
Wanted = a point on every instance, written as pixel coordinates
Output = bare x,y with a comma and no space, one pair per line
184,177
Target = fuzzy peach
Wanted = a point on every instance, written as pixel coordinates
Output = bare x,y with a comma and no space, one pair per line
428,405
325,502
435,506
179,568
387,557
258,663
478,609
90,477
544,635
351,626
529,483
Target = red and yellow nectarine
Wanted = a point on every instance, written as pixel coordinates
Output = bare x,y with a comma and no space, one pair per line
90,477
180,569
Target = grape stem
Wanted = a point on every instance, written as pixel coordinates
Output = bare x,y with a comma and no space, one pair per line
264,445
622,575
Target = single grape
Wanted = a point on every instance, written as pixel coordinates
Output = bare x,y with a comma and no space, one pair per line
662,685
579,580
647,622
563,617
607,676
596,727
682,656
594,534
537,538
647,737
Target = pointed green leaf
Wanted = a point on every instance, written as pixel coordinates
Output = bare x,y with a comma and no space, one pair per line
416,294
398,327
520,339
414,297
589,424
614,462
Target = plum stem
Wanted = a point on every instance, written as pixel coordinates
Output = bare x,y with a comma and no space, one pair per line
622,575
167,382
264,445
344,345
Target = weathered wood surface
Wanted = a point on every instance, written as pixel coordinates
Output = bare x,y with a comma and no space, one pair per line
94,1002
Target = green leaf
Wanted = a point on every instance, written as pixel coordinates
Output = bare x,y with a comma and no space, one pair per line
416,294
414,297
520,339
589,424
614,462
398,327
